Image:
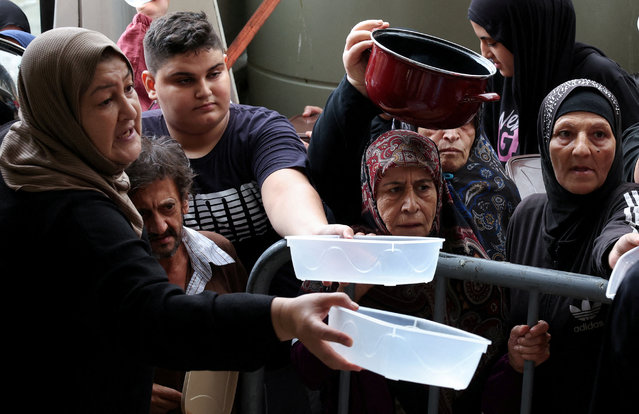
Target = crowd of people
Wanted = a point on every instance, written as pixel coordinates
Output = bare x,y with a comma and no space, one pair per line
136,197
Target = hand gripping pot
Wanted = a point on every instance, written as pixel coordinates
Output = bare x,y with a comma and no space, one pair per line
402,347
426,81
380,260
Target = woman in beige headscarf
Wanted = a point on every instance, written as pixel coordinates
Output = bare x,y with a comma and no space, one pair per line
81,277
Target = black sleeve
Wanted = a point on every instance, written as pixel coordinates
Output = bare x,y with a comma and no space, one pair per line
153,318
630,141
489,111
623,217
339,139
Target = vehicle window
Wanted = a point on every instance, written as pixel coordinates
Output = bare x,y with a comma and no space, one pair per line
9,65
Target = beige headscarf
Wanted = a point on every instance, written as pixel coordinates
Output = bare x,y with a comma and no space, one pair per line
47,149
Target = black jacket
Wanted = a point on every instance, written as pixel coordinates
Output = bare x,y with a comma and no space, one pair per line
87,311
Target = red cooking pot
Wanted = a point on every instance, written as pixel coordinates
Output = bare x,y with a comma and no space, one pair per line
426,81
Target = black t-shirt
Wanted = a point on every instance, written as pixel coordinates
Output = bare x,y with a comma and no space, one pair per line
228,201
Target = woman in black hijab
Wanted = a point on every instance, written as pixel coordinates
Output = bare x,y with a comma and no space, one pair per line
12,17
586,221
540,36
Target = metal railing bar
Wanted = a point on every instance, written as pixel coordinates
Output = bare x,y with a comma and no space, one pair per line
549,281
439,313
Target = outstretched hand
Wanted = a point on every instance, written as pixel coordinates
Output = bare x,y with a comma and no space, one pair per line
303,317
355,57
528,344
625,243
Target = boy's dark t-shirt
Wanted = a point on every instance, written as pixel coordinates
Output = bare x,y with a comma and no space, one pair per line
257,142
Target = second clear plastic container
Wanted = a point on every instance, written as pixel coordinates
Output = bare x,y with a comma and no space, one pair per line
380,260
402,347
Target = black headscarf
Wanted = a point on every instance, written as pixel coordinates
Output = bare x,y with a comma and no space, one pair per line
564,209
541,36
11,14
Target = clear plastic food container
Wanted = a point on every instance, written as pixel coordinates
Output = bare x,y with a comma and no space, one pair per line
625,262
380,260
402,347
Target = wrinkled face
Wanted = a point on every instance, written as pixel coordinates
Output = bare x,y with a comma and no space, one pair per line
407,201
110,112
162,209
453,144
193,90
582,149
498,53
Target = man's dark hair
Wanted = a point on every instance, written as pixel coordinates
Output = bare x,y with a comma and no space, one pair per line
161,158
178,33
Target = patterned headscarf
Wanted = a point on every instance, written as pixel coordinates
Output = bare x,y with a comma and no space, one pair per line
47,149
404,148
485,196
397,148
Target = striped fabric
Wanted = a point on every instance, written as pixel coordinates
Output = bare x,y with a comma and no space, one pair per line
203,252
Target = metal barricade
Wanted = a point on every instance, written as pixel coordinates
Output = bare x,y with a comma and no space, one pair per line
534,279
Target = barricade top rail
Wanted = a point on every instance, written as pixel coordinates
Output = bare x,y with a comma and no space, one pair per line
555,282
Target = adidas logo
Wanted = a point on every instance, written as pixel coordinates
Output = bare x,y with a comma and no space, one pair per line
587,312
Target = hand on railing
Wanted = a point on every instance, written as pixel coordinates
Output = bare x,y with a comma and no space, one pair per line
528,344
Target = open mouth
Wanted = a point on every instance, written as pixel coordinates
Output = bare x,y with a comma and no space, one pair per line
127,134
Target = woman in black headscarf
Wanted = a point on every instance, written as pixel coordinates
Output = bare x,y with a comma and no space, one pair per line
532,43
12,17
585,222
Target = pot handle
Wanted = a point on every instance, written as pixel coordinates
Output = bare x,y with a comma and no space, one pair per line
482,97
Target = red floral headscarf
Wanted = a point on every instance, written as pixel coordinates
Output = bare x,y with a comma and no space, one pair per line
403,148
397,148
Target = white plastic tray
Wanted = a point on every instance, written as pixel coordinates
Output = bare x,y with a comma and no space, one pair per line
619,272
402,347
380,260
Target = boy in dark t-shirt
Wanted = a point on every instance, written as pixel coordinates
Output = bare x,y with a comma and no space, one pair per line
249,160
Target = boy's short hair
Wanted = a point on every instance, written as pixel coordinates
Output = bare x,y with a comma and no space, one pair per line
178,33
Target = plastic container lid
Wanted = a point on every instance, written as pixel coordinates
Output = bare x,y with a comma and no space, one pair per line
402,347
619,272
380,260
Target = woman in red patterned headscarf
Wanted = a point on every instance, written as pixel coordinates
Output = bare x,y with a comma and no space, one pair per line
404,194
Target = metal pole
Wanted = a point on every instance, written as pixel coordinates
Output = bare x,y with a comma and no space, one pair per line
345,376
529,366
439,312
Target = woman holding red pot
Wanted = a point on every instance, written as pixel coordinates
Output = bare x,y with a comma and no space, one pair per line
350,120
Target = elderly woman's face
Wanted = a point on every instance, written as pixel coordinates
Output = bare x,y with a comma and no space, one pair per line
582,149
407,201
110,112
453,144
